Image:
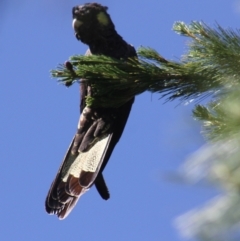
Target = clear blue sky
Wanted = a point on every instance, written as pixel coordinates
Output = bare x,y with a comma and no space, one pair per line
39,117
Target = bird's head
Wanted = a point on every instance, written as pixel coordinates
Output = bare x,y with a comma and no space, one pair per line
91,22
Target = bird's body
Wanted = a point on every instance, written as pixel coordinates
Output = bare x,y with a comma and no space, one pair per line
99,129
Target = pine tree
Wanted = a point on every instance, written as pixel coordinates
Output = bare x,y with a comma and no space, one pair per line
210,68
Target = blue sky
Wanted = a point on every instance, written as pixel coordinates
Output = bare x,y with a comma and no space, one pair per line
39,118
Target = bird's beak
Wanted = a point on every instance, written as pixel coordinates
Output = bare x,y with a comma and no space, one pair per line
76,24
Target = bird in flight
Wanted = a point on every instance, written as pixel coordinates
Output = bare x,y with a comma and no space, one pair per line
99,129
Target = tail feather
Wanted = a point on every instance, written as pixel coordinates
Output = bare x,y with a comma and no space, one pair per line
67,208
80,170
75,176
73,186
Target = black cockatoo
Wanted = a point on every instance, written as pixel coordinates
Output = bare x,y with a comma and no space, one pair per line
99,129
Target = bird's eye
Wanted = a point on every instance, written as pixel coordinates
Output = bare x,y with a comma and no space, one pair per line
76,24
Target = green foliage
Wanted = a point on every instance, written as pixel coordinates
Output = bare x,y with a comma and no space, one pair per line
202,71
212,49
124,79
221,118
209,68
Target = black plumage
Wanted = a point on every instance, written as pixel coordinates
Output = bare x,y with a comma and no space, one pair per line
99,129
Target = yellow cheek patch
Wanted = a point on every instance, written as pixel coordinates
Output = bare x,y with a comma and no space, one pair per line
102,18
